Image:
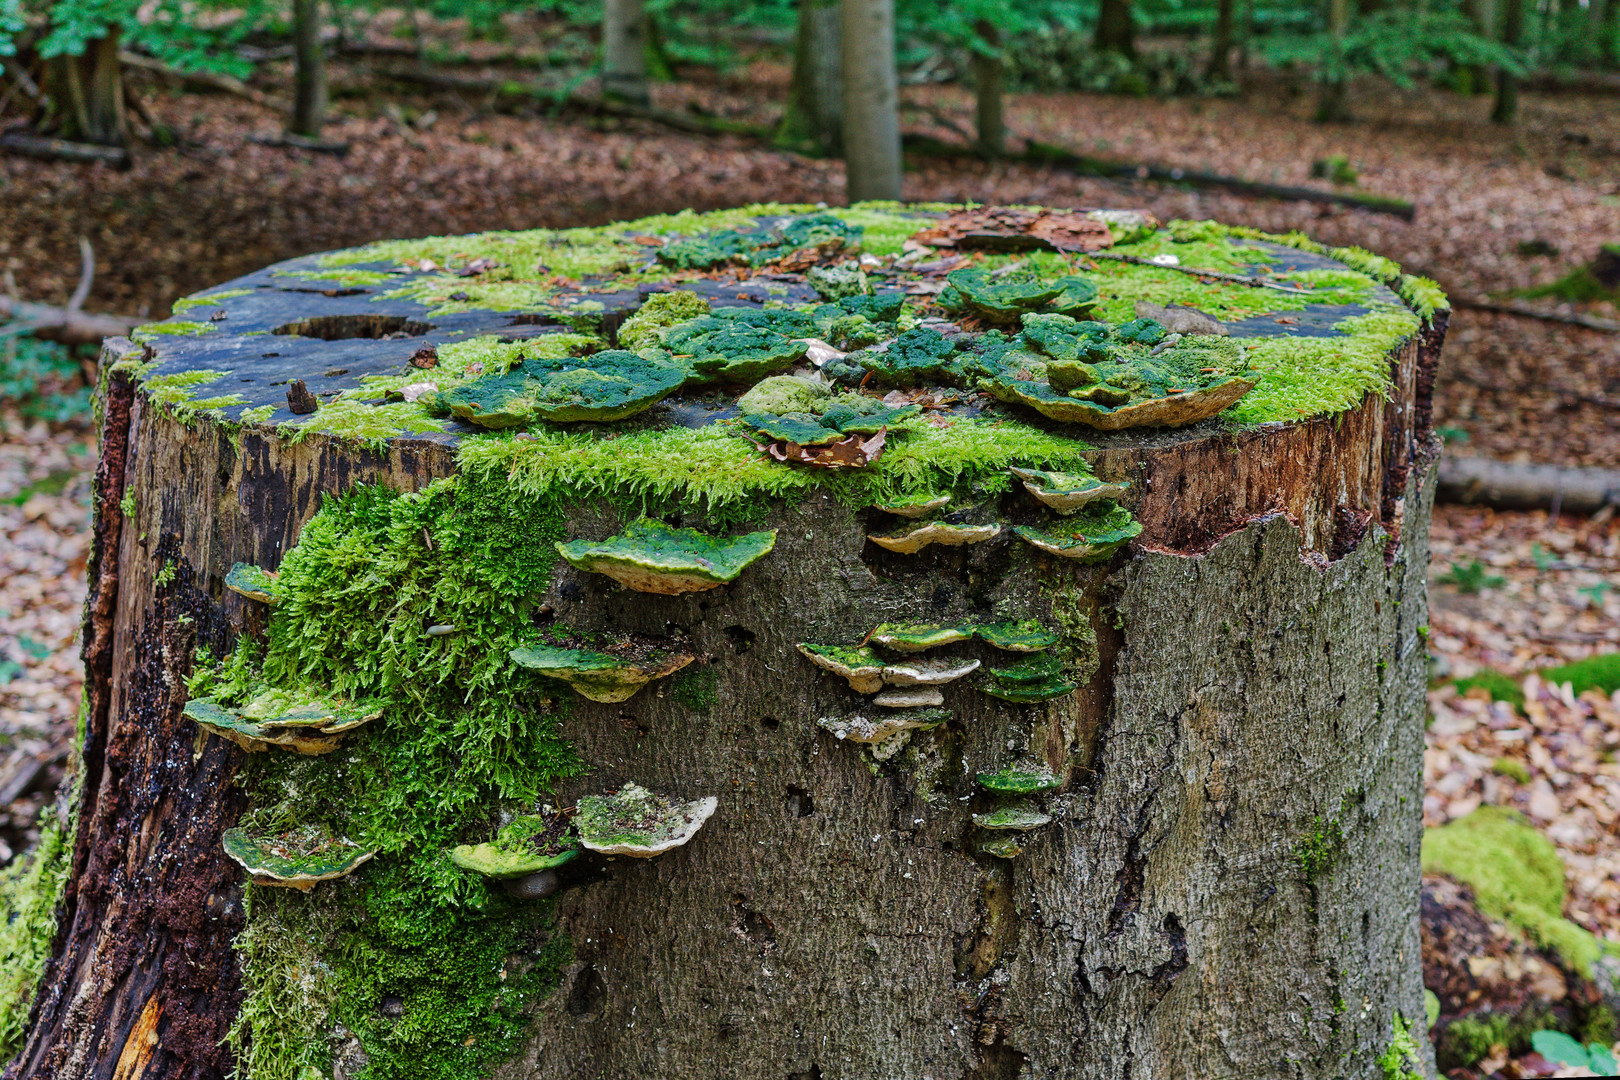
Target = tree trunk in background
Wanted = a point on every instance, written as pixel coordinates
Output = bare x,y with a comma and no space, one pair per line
1116,29
624,52
990,99
87,93
1482,15
814,113
1506,110
871,100
1228,887
1332,106
309,70
1606,26
1220,46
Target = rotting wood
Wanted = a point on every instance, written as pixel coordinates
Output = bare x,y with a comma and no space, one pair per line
1507,485
48,149
1530,311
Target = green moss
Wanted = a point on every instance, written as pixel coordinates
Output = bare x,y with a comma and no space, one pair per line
343,278
645,329
177,391
1302,377
1500,687
1516,875
1468,1039
1401,1059
177,327
257,416
696,689
1594,673
30,889
212,299
1320,847
1512,768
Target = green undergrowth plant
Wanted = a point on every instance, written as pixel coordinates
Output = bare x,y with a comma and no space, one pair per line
29,891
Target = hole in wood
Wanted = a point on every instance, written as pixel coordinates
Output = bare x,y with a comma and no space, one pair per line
345,327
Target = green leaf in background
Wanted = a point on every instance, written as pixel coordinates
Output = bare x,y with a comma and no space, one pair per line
1560,1049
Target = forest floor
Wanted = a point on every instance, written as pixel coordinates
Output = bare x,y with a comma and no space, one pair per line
1488,200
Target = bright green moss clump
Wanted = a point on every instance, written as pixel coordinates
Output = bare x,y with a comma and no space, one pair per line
1516,875
29,891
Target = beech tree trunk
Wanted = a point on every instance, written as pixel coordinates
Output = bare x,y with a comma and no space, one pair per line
814,113
1332,106
871,100
988,95
1116,28
1229,887
86,93
309,70
1220,45
624,52
1506,109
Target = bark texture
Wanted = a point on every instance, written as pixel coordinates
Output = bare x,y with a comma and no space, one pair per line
871,100
86,93
815,111
309,73
624,51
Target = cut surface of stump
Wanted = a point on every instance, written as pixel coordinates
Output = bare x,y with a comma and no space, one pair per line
1047,682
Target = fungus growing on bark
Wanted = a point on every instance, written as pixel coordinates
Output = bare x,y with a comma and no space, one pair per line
1013,817
652,557
1039,678
597,676
1003,299
305,725
781,395
1023,635
838,420
718,349
757,246
603,386
927,672
912,540
638,823
915,507
916,637
645,329
916,357
530,844
910,697
1011,781
1090,535
860,665
883,728
253,582
1003,845
1068,492
295,860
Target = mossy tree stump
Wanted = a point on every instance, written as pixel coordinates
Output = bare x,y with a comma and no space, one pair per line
972,738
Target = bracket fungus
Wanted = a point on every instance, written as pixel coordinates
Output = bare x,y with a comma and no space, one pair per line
912,540
253,582
598,676
916,507
868,673
755,247
1068,492
530,844
308,726
1090,535
638,823
927,672
294,860
607,385
731,351
917,637
860,665
1012,781
910,697
883,728
1039,678
1022,635
652,557
1003,297
1013,817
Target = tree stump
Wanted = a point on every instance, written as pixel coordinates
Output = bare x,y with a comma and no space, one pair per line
1010,687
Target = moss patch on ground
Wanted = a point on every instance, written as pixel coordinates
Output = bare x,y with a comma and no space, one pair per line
30,889
1516,875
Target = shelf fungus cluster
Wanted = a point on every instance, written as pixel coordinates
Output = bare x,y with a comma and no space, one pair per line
253,582
652,557
297,860
306,724
1016,808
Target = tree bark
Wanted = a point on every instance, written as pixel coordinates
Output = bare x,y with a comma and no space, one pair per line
1332,107
814,113
1258,686
309,70
624,52
87,93
871,100
1506,109
1116,28
988,95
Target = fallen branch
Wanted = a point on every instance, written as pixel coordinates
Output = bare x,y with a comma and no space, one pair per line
1039,153
63,325
208,80
48,149
300,142
1527,311
1509,486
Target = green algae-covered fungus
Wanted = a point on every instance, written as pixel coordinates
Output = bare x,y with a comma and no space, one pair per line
920,355
909,541
598,676
920,505
253,582
652,557
781,395
839,418
607,385
1002,845
1018,782
1013,817
1068,492
645,329
298,859
1020,635
884,728
530,844
916,637
304,724
1003,297
732,352
1039,678
1089,535
860,665
757,246
635,822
